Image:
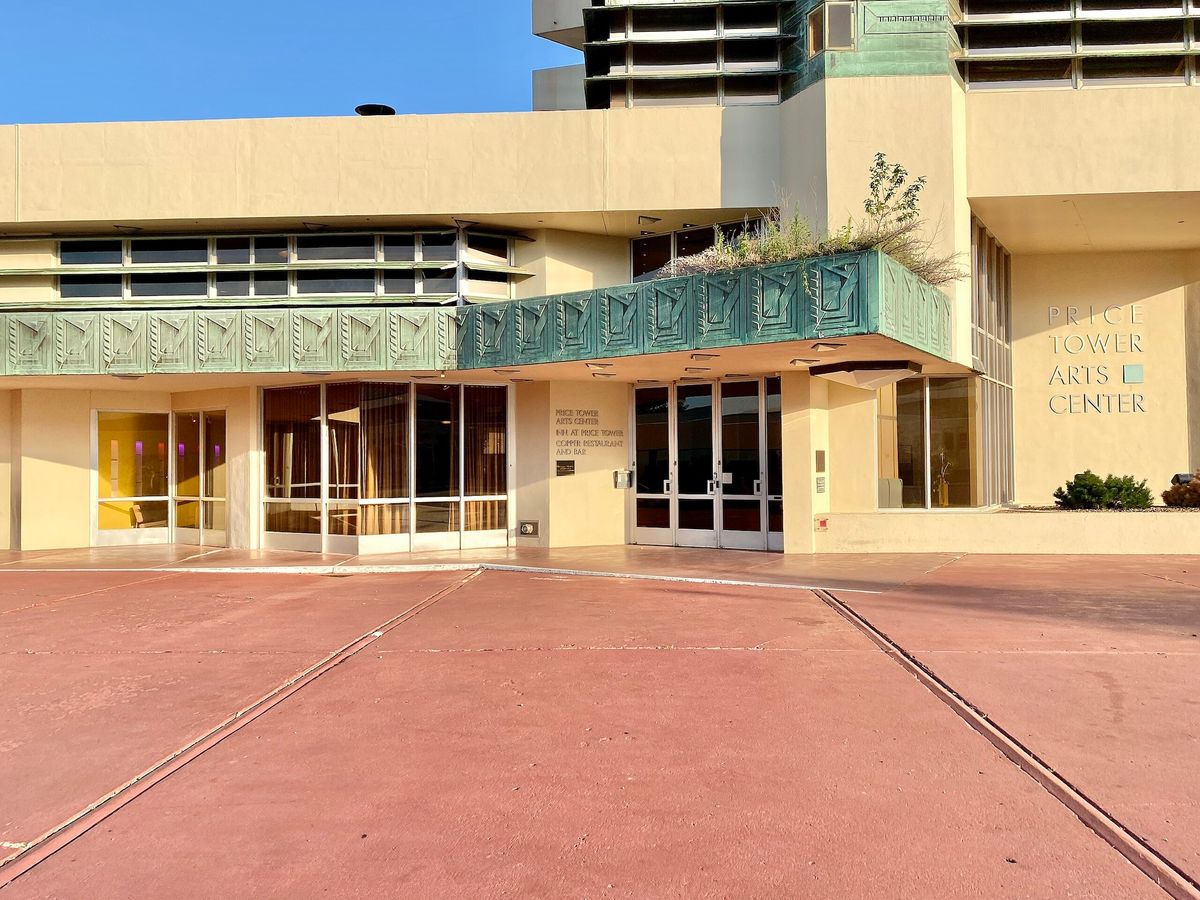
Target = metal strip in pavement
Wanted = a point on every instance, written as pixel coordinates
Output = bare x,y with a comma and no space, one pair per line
1164,873
350,571
39,850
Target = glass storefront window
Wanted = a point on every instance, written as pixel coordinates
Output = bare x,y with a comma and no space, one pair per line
929,444
363,431
437,441
485,429
133,470
292,439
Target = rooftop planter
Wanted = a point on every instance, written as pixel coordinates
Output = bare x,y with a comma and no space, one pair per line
823,297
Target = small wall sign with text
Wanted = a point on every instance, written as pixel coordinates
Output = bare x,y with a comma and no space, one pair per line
577,431
1090,375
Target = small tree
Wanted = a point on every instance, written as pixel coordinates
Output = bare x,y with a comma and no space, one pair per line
893,199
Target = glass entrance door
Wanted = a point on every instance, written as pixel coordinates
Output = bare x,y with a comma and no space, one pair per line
708,467
200,478
741,466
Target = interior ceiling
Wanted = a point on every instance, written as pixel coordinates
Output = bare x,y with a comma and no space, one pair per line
698,365
1083,223
619,223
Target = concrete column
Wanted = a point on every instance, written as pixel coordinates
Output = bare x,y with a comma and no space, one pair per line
805,414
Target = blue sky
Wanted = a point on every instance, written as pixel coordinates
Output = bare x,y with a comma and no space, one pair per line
117,60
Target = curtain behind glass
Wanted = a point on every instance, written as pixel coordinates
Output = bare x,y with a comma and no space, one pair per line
485,413
292,438
385,441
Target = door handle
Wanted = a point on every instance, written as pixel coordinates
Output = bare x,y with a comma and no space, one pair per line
667,486
712,487
757,487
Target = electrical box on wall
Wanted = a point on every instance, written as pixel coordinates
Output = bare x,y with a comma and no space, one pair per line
821,524
622,479
527,529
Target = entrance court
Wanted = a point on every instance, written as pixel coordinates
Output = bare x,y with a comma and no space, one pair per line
540,732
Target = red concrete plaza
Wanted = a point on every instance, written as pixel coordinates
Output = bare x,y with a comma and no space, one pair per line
537,733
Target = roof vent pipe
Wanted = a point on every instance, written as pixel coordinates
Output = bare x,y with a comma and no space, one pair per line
374,109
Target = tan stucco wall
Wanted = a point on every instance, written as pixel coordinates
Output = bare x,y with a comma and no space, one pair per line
1034,533
532,469
805,430
506,163
1104,141
1052,447
564,261
864,116
853,471
583,509
7,444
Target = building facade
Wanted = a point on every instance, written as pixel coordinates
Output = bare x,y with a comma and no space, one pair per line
384,334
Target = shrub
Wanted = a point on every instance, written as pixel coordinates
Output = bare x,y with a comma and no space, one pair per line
1183,494
1088,490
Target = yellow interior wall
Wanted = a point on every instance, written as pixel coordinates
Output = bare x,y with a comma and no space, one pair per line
1050,447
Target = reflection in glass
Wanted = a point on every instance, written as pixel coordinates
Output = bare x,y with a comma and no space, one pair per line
953,442
437,447
90,253
774,410
485,414
270,284
336,281
303,517
651,439
486,515
186,250
384,518
187,456
119,515
697,514
157,285
233,251
80,286
214,455
653,513
270,250
335,246
385,442
439,247
902,457
739,436
187,514
437,518
132,454
694,421
343,417
292,439
236,285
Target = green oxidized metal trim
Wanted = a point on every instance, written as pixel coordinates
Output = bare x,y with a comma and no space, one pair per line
836,296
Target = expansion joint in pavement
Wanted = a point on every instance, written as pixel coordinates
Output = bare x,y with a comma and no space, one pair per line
1162,871
39,850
